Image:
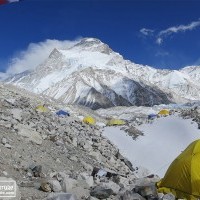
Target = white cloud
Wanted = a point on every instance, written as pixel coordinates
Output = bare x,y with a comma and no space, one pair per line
180,28
169,31
159,40
35,54
146,31
176,29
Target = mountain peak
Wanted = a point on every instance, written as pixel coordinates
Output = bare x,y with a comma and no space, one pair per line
90,41
55,53
94,44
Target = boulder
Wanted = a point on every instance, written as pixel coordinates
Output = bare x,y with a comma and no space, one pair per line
45,186
111,185
101,192
80,192
86,178
16,112
31,135
4,141
55,185
147,190
130,195
36,170
169,196
68,184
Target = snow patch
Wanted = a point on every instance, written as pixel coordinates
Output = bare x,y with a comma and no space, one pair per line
162,142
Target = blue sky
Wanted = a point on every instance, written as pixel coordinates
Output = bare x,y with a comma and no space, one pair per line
162,34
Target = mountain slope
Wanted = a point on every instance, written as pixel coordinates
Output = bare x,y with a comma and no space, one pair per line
92,74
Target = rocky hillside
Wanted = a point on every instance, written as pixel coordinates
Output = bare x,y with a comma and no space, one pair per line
50,156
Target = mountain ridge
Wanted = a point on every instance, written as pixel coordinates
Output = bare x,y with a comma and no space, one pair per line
91,68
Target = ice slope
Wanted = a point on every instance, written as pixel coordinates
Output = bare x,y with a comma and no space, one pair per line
162,142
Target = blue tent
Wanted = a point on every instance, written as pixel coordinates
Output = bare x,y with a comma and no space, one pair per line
152,116
62,113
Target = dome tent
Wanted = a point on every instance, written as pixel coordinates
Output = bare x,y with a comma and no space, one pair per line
89,120
163,112
41,108
114,122
183,175
62,113
152,116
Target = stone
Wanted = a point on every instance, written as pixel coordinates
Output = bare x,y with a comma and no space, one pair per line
58,160
92,198
7,125
68,183
27,184
169,196
100,192
111,185
46,187
129,164
5,173
37,170
87,178
61,176
73,158
123,181
130,195
55,185
112,160
75,141
96,155
10,101
29,174
80,192
53,174
160,195
44,137
147,190
4,141
87,147
16,112
31,135
87,166
8,146
59,143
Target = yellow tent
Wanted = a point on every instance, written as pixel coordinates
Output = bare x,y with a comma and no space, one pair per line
183,175
113,122
164,112
89,120
41,108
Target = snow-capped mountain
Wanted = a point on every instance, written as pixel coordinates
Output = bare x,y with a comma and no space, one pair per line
92,74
